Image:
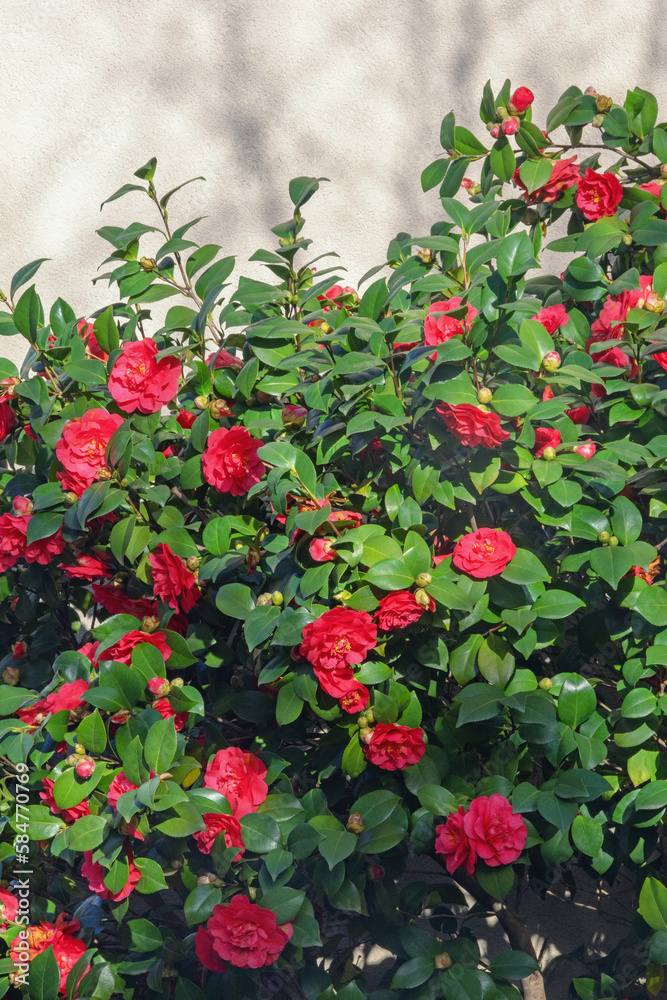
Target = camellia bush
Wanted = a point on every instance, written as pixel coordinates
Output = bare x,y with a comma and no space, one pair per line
332,619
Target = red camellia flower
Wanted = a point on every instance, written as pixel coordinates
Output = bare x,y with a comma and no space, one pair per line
114,599
243,934
338,638
394,748
83,443
355,698
484,553
545,437
521,99
439,327
217,823
67,949
239,777
472,425
565,174
95,874
121,651
118,787
7,420
13,542
224,359
65,699
598,195
454,845
552,317
496,833
44,550
294,416
139,382
68,815
578,414
398,610
9,907
586,448
186,419
88,566
172,580
320,549
230,461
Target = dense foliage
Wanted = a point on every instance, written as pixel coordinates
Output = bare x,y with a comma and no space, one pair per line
304,583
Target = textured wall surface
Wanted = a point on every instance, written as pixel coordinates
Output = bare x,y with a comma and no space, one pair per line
250,93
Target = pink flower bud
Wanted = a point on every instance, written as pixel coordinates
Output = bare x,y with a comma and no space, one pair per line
521,99
495,131
443,960
376,872
510,125
293,415
551,362
219,408
85,767
159,686
11,676
320,550
586,449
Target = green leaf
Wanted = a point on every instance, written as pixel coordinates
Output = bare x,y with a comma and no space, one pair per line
44,977
652,605
525,568
354,762
437,800
24,274
92,734
336,846
303,188
556,604
86,833
495,661
389,574
199,903
638,703
513,400
513,965
587,835
653,904
144,936
611,563
69,789
626,521
284,901
235,600
152,877
28,314
261,834
413,973
496,881
160,745
288,705
535,173
502,159
576,701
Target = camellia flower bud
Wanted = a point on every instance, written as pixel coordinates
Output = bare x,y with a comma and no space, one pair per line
426,256
355,823
549,454
177,682
104,473
84,767
604,537
159,686
201,402
208,879
366,735
663,169
72,760
484,395
603,103
150,623
626,238
654,303
370,715
219,408
422,599
586,449
193,563
11,676
521,99
591,92
80,749
472,187
277,598
294,416
423,579
551,362
598,121
71,497
613,541
494,129
363,722
376,871
510,125
264,599
442,961
545,684
148,263
19,650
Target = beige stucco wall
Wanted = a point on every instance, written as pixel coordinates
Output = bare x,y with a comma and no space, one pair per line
250,93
